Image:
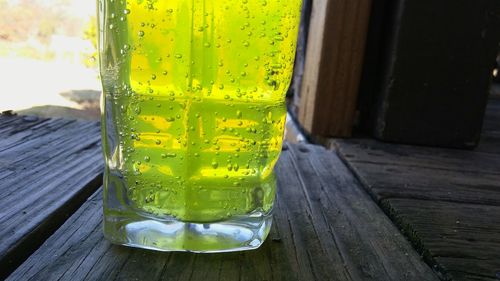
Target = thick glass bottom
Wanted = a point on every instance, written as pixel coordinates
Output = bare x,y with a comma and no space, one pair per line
234,234
127,224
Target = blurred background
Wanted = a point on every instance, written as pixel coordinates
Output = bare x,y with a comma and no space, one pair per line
48,59
48,65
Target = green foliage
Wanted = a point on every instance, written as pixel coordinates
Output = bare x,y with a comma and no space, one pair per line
90,34
27,28
90,31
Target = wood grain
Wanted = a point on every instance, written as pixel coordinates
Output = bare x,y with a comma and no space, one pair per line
462,238
334,59
326,227
490,136
48,167
446,201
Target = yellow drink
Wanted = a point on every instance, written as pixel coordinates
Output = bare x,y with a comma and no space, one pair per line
194,101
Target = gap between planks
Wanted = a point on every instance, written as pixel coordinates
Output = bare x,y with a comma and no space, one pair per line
325,228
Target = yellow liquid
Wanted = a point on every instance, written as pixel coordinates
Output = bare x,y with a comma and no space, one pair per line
196,90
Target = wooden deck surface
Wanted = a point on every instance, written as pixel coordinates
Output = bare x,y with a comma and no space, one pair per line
48,168
327,223
446,201
326,227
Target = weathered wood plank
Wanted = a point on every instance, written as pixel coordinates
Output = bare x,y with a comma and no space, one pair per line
400,171
18,138
7,120
446,201
48,169
421,183
463,238
469,269
326,227
11,125
490,136
372,151
368,242
332,71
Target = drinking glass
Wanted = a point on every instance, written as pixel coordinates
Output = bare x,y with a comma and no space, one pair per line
193,113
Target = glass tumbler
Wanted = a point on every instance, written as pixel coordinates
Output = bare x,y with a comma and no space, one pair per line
193,113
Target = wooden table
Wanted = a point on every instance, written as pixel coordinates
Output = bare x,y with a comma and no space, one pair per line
326,227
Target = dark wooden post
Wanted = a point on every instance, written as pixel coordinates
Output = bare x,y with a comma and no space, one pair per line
437,71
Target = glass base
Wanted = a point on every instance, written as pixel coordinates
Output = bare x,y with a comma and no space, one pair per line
125,224
234,234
